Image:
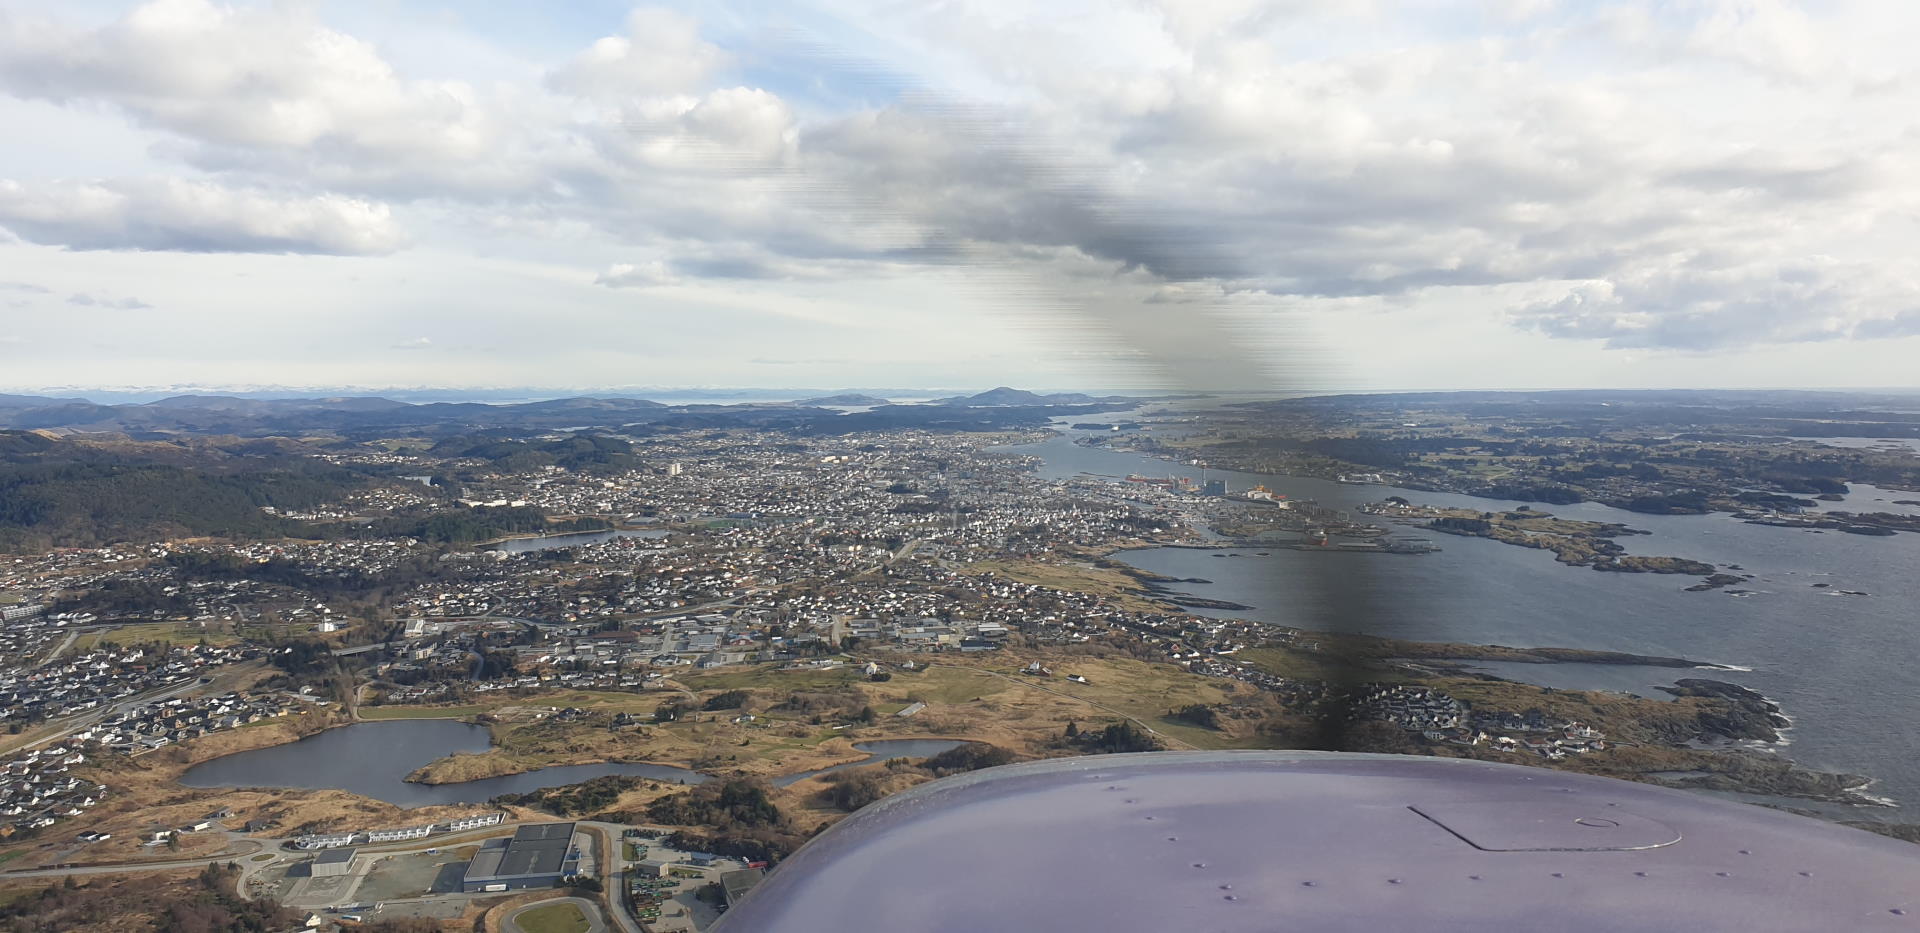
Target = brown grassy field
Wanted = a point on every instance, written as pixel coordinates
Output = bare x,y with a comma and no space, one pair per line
1076,576
983,699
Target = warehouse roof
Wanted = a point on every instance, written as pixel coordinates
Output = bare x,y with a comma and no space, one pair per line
538,849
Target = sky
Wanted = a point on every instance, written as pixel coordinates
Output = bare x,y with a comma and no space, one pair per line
1349,194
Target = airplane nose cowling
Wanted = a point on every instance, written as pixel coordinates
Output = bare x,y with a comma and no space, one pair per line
1259,842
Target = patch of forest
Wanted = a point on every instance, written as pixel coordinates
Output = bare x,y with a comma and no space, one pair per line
206,903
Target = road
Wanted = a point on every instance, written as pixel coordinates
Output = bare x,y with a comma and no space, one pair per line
68,727
613,873
906,550
277,846
358,649
510,924
127,867
65,643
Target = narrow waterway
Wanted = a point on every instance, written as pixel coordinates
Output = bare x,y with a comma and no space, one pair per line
373,759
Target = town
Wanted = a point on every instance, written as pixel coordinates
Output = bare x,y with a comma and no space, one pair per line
750,605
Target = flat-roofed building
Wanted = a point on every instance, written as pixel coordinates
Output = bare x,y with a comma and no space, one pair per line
538,855
397,835
736,884
473,822
333,863
324,840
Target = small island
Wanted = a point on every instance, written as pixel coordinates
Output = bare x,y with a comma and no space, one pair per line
844,400
1573,542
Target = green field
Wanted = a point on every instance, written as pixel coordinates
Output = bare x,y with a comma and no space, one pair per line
553,918
171,633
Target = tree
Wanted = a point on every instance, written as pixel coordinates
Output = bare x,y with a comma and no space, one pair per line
731,699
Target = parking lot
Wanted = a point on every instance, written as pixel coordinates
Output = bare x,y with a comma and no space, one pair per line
672,903
390,877
310,893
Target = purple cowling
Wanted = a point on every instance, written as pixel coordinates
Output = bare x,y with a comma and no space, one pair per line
1224,842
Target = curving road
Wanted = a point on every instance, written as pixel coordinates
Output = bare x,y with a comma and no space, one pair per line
613,872
511,923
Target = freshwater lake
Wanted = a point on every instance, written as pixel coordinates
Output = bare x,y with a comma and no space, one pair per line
373,759
1842,667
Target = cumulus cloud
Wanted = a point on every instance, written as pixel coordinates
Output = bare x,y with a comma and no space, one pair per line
193,216
661,53
1711,173
270,78
1732,305
417,343
1330,176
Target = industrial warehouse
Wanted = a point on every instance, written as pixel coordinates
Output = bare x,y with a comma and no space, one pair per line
333,863
539,855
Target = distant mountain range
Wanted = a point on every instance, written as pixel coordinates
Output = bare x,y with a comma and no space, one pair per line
370,416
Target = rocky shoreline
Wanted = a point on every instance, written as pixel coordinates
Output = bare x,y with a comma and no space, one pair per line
1747,771
1750,717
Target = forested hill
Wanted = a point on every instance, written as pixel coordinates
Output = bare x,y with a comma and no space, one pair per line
66,493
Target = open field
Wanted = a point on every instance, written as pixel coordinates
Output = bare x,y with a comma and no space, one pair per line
981,698
1075,576
553,918
169,633
769,677
523,707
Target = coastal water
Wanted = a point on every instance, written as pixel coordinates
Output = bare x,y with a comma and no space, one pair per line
1841,666
1857,443
572,539
372,759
